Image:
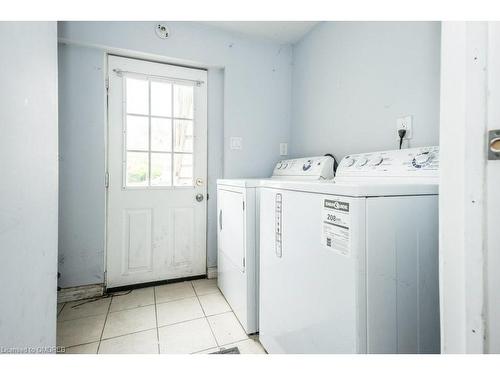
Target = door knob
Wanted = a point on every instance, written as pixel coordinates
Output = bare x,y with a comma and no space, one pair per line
199,197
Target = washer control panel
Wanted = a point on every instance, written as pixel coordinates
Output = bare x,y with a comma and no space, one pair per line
314,168
420,161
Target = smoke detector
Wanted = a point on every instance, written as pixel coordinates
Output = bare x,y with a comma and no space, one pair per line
162,30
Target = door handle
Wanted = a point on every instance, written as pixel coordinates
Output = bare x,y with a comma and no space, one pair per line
220,220
199,197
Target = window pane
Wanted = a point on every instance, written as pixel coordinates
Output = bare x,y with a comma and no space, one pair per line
183,169
161,134
137,96
137,168
183,101
161,99
161,169
183,131
137,133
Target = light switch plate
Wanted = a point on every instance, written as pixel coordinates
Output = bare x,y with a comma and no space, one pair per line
283,149
236,143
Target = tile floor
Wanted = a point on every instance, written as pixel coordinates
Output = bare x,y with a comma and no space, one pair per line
180,318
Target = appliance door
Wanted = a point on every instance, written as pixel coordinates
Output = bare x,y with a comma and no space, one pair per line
232,278
312,294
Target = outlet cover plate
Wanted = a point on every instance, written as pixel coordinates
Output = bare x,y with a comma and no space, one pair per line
406,124
236,143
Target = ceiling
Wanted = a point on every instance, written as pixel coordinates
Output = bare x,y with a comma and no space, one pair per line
285,32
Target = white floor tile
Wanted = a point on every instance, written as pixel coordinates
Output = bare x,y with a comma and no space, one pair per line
80,331
226,328
172,292
178,311
205,286
129,321
135,298
82,309
145,342
187,337
249,346
83,349
214,303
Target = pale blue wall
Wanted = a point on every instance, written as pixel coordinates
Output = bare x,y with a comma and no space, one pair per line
248,96
351,80
28,187
81,165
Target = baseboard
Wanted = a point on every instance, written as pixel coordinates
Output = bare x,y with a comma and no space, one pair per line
212,273
80,292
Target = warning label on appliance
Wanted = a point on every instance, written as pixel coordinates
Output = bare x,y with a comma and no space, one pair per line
336,226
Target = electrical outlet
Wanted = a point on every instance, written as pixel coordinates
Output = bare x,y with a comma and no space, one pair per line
406,124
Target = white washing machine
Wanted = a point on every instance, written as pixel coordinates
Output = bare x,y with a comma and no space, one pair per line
238,234
351,266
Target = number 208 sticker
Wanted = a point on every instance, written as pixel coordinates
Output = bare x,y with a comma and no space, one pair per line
336,224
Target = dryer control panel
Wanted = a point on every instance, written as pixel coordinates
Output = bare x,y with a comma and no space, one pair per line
412,162
313,168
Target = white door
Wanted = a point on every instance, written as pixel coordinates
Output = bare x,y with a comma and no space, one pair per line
157,165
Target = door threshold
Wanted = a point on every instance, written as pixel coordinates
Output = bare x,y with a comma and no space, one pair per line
153,283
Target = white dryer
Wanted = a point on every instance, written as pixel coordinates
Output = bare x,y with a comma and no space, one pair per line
351,266
238,233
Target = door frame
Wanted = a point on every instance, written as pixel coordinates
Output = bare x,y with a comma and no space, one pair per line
145,58
469,268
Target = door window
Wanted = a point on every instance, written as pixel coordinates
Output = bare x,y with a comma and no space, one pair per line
158,133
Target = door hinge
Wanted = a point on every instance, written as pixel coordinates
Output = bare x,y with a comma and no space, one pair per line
243,262
208,196
107,85
106,180
243,204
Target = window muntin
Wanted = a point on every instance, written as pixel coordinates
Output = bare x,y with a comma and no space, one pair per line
158,146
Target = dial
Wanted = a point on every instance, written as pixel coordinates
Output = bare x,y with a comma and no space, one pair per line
361,162
377,160
422,159
307,165
348,162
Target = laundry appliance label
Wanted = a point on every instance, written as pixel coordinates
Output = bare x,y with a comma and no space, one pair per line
336,234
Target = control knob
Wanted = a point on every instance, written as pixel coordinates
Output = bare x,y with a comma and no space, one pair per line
421,159
307,165
361,162
377,160
348,162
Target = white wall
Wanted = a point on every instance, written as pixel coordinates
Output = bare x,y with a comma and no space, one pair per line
28,188
351,80
248,96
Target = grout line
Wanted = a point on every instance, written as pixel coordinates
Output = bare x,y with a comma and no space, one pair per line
104,325
126,334
156,317
60,311
206,318
83,343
